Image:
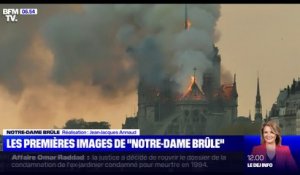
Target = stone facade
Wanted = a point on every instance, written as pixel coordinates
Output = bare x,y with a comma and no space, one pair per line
286,110
205,110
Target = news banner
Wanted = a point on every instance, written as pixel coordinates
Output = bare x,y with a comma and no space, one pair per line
125,150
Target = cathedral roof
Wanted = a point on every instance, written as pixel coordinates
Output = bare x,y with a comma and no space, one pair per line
194,92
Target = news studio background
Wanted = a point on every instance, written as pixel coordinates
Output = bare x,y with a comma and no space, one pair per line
150,88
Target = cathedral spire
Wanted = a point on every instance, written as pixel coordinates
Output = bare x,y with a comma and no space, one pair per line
257,90
187,23
258,114
258,99
234,93
194,74
249,114
234,78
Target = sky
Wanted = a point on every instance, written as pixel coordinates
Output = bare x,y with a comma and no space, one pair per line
40,89
260,40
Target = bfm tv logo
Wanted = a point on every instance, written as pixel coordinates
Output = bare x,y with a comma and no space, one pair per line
11,14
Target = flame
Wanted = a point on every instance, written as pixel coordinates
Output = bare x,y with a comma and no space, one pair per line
188,24
192,79
190,85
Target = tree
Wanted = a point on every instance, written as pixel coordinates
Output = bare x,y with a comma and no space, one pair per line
81,124
97,125
75,124
241,129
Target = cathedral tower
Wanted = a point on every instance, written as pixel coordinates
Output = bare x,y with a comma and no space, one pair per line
258,114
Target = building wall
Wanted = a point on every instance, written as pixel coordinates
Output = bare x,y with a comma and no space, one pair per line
189,117
288,115
298,122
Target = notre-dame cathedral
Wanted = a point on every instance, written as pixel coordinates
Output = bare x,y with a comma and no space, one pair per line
200,110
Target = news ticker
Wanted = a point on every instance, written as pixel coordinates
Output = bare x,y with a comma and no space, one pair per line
125,140
44,140
122,150
14,132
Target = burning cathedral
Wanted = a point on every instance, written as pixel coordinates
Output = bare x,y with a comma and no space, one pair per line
205,108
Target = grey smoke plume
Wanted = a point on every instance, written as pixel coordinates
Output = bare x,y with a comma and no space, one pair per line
226,76
14,41
92,45
196,56
107,47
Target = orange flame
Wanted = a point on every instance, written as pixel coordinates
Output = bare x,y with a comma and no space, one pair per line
192,79
188,24
190,85
195,96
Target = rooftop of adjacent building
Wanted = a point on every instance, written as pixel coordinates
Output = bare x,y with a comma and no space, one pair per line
291,92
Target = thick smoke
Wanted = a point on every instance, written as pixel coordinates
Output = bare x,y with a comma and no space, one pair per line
86,50
55,61
195,56
226,76
15,39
